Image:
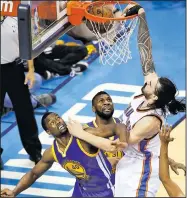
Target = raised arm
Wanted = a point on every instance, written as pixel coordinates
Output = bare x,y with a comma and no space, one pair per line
144,45
144,41
171,187
29,178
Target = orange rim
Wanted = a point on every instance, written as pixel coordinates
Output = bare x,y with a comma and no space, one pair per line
77,11
99,19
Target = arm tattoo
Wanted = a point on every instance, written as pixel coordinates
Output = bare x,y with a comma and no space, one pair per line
145,47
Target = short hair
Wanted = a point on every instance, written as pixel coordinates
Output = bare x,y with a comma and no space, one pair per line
43,121
98,94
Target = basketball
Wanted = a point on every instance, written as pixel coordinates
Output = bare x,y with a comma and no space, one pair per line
100,11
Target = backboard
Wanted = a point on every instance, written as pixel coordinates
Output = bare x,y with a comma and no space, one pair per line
44,22
40,24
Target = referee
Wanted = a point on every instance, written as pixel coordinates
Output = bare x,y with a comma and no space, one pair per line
14,82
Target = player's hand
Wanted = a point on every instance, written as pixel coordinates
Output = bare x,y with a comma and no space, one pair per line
74,127
7,193
132,9
164,134
119,146
175,166
30,79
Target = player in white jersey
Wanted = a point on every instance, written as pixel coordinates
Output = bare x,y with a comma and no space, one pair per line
141,162
137,172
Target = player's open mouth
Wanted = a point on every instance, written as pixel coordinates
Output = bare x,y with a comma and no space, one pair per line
62,128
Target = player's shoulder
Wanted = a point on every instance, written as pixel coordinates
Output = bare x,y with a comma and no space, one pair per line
89,124
138,95
85,125
48,155
117,120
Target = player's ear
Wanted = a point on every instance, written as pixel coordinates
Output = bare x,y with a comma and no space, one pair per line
93,109
48,132
155,97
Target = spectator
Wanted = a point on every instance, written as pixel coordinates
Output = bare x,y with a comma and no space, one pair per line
37,101
60,60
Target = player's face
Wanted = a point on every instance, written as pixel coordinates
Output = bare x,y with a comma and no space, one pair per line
149,88
56,125
104,107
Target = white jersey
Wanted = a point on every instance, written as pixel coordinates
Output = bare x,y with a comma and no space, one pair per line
137,171
131,116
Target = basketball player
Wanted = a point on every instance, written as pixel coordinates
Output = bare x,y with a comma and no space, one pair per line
87,163
103,108
171,187
143,119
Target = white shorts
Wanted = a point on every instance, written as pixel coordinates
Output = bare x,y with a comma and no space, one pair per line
136,177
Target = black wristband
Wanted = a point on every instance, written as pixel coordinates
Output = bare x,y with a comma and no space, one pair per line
116,10
134,10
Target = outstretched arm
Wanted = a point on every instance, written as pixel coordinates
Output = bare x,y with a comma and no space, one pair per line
144,41
171,187
91,136
110,130
29,178
144,45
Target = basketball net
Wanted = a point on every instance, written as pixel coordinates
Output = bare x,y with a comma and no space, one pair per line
114,44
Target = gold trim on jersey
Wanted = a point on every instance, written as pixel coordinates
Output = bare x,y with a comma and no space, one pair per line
94,123
85,126
85,152
53,152
65,150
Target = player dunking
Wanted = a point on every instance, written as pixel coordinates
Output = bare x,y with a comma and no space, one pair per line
137,172
87,163
143,119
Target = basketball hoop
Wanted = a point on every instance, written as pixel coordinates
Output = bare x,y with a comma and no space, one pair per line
109,25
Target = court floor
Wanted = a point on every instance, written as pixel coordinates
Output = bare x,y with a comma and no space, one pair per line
121,82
